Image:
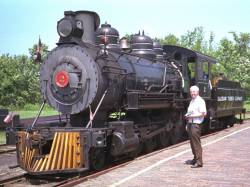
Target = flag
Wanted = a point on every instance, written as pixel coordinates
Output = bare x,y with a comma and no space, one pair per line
38,55
39,46
8,118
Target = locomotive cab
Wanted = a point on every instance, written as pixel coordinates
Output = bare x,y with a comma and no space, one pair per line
195,67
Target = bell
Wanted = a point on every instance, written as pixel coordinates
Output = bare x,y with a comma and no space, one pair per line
124,44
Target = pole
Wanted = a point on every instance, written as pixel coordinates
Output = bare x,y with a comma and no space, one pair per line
38,115
98,106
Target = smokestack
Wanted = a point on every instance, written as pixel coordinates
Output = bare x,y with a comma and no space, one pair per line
91,22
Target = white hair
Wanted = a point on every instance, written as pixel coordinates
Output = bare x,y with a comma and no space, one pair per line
194,88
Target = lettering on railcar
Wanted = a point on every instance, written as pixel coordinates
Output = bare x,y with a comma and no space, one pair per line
229,98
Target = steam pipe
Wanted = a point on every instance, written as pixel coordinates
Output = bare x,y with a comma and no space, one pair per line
182,79
163,82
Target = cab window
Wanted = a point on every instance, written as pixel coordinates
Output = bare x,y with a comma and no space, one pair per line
205,70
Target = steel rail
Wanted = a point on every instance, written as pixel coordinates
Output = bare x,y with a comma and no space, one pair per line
80,179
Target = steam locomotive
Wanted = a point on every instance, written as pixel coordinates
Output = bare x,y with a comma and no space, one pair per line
122,97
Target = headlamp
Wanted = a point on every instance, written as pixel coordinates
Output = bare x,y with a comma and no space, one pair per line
69,27
64,27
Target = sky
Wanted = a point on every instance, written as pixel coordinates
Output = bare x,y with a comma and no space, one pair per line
23,21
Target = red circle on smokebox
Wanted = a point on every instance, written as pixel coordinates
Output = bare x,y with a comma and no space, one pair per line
62,79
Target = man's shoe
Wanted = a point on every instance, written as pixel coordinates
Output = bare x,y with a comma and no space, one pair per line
190,162
196,166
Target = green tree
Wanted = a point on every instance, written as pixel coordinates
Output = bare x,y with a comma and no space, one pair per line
170,39
195,40
242,43
234,58
20,79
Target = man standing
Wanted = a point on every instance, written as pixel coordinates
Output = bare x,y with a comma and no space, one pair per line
195,116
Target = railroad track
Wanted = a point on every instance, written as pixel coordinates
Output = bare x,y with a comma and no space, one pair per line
7,148
20,176
12,176
91,175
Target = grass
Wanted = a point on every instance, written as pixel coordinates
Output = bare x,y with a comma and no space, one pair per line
2,137
30,111
247,105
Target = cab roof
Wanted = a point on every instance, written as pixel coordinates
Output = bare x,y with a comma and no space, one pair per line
184,54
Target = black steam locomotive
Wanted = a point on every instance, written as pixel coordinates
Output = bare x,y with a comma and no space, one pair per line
121,96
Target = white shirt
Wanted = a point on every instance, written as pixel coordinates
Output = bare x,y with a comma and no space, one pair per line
196,107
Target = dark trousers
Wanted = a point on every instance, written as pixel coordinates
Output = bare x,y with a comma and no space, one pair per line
194,133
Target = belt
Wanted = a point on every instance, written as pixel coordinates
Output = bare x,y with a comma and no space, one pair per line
194,123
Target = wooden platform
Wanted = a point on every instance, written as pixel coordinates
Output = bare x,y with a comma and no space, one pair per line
226,163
